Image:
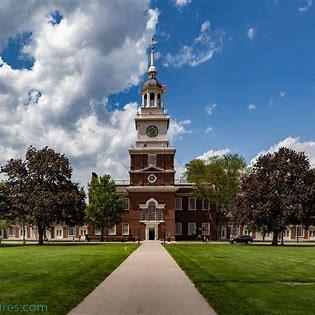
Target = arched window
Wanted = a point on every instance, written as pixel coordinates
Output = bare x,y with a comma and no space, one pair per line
159,100
151,211
151,99
145,99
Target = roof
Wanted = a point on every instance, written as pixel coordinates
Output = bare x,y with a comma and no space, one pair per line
151,83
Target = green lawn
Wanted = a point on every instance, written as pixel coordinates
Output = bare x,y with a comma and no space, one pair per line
241,279
59,276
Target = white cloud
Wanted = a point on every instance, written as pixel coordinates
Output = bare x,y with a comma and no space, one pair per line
178,128
307,5
181,3
209,108
209,130
282,93
62,100
251,107
210,153
251,32
202,49
293,143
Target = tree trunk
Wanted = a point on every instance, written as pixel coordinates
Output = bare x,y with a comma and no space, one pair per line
213,223
102,234
40,236
275,238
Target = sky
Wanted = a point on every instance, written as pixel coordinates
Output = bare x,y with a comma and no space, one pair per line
240,77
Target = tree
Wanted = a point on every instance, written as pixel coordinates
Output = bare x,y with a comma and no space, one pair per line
105,206
16,192
41,191
4,202
275,193
217,180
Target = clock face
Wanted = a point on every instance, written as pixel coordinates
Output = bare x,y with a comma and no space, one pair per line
152,131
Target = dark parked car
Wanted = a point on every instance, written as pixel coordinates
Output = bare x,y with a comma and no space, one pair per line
241,239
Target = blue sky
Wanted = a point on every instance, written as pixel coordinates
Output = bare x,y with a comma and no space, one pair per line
279,59
240,77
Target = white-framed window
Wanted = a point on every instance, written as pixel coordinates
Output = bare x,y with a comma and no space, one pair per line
112,230
205,204
192,228
97,231
205,228
192,203
71,230
286,233
151,160
178,228
1,233
312,233
59,232
126,204
10,231
178,203
299,231
125,229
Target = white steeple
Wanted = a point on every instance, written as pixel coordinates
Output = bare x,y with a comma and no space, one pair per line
152,69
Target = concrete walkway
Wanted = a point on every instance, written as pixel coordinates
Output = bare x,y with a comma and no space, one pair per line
148,282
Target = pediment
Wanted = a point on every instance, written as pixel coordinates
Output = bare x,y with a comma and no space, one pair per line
153,169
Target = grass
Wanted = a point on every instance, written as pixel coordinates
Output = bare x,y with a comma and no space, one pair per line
58,276
240,279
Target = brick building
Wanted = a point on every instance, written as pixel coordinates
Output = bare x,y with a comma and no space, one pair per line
156,205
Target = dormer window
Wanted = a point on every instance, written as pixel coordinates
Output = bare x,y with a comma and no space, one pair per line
151,99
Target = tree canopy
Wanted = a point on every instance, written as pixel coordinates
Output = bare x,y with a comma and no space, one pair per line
105,206
277,192
217,180
41,192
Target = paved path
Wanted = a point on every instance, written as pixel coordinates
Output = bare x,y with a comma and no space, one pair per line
148,282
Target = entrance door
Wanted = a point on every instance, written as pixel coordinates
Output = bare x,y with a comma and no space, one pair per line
151,234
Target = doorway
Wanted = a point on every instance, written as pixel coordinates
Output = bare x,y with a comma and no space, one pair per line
151,234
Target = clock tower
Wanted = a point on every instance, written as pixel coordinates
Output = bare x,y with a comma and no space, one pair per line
152,160
151,191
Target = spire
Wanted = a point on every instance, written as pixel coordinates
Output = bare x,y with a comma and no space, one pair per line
152,69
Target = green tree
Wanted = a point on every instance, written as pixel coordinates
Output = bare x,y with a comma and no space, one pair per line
16,191
41,191
277,192
105,206
218,181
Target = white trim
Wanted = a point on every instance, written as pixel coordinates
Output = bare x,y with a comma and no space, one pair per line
112,230
97,232
195,228
189,199
122,229
152,178
180,232
203,204
10,234
207,225
57,230
296,231
151,189
181,203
